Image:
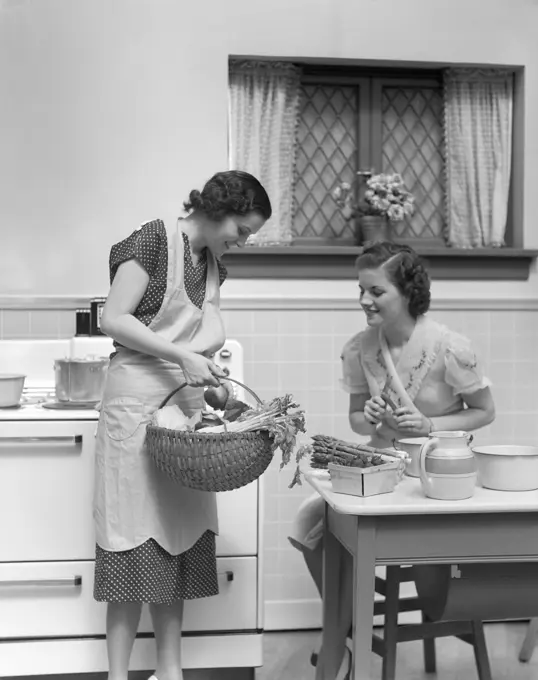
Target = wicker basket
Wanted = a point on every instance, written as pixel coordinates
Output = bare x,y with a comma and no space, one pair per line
210,462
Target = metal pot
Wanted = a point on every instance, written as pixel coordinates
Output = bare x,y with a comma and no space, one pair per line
80,380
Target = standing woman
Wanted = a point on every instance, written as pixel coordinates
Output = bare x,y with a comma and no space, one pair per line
430,372
155,538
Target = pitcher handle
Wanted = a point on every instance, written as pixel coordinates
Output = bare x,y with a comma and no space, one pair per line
424,450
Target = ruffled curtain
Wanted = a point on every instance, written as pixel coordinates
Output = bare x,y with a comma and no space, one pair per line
263,110
478,138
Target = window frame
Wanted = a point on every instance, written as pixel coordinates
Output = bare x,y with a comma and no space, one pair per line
315,259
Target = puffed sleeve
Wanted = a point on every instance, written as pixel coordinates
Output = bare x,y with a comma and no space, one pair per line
463,368
353,378
145,244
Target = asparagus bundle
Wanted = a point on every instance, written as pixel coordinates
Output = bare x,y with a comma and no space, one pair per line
327,450
324,450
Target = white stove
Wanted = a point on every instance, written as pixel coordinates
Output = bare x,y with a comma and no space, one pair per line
49,621
35,359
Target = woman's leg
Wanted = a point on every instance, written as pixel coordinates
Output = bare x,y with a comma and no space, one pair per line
313,558
167,624
122,619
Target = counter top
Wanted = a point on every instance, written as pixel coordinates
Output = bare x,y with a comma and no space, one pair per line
409,499
37,412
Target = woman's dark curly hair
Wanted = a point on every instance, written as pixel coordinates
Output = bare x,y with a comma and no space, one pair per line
233,192
405,269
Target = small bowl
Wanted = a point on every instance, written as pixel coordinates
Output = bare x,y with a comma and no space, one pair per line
412,446
11,386
507,467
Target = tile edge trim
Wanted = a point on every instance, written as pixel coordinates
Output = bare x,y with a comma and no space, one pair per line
280,303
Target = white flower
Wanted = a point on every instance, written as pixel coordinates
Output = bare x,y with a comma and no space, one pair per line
385,195
396,213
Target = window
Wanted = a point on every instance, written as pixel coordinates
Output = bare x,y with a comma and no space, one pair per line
350,121
365,121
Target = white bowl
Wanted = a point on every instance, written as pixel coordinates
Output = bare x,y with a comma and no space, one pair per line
412,446
507,467
11,386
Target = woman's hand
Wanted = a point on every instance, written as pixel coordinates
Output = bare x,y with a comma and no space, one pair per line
200,371
412,421
374,410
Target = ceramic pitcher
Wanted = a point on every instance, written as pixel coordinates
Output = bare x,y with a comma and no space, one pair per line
448,466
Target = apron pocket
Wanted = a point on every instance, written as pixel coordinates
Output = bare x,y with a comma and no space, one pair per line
122,416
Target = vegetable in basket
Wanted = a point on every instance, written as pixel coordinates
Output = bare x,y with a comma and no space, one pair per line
217,397
281,418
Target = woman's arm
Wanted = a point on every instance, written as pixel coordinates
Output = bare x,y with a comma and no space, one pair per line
357,419
480,412
117,321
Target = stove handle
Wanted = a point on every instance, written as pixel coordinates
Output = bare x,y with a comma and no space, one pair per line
71,439
75,581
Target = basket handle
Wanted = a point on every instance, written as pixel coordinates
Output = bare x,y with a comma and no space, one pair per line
167,399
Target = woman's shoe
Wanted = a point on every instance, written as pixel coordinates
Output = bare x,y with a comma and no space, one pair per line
345,669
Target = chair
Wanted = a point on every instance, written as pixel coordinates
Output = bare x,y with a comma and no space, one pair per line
471,632
530,641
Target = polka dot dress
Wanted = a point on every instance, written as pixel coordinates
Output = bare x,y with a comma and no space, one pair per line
148,573
149,245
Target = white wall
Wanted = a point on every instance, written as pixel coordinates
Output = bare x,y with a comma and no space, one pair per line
112,110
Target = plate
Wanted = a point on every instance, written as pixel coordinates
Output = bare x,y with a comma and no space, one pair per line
70,405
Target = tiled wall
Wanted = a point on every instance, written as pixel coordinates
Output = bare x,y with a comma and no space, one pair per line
44,324
296,351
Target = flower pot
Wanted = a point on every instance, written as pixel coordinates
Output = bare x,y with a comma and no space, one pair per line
374,228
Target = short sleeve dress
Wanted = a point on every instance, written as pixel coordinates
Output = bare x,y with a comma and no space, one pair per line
149,573
439,368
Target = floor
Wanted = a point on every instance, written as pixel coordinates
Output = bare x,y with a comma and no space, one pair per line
287,657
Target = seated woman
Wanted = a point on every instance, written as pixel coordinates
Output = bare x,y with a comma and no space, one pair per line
430,373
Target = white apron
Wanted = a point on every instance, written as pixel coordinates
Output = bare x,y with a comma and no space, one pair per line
133,500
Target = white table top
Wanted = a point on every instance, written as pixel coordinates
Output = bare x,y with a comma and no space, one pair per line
409,499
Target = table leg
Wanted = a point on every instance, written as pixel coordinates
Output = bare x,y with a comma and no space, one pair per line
335,625
363,599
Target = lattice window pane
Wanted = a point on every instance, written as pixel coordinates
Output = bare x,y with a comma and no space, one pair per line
326,155
412,146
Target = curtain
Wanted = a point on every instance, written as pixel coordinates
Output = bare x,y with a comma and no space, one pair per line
263,111
478,153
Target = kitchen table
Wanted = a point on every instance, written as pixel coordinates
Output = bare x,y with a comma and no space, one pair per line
404,528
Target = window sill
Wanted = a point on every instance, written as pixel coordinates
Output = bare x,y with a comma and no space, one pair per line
338,262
